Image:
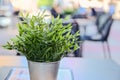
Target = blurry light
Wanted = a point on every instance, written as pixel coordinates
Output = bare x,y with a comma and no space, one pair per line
27,5
90,3
84,3
96,4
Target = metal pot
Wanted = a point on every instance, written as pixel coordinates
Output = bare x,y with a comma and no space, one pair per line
43,71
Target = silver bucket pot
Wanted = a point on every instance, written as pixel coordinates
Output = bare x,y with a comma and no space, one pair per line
43,71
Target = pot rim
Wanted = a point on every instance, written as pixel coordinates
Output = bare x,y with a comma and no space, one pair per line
44,62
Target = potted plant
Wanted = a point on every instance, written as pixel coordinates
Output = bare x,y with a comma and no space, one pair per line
43,44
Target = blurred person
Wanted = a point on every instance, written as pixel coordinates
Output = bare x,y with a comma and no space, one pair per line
81,12
69,6
63,5
112,9
57,6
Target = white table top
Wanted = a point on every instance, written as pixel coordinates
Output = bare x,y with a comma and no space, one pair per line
83,69
83,21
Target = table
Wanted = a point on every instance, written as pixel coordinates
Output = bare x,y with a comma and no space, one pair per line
82,69
83,21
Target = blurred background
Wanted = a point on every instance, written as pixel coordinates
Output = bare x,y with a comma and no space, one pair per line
86,13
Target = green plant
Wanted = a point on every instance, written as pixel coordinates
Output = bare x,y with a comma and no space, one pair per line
43,42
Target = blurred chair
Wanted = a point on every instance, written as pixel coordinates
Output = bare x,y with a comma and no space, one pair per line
5,16
16,13
94,13
104,26
75,28
112,9
92,28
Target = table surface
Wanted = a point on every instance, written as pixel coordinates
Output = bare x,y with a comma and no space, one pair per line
83,21
82,69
